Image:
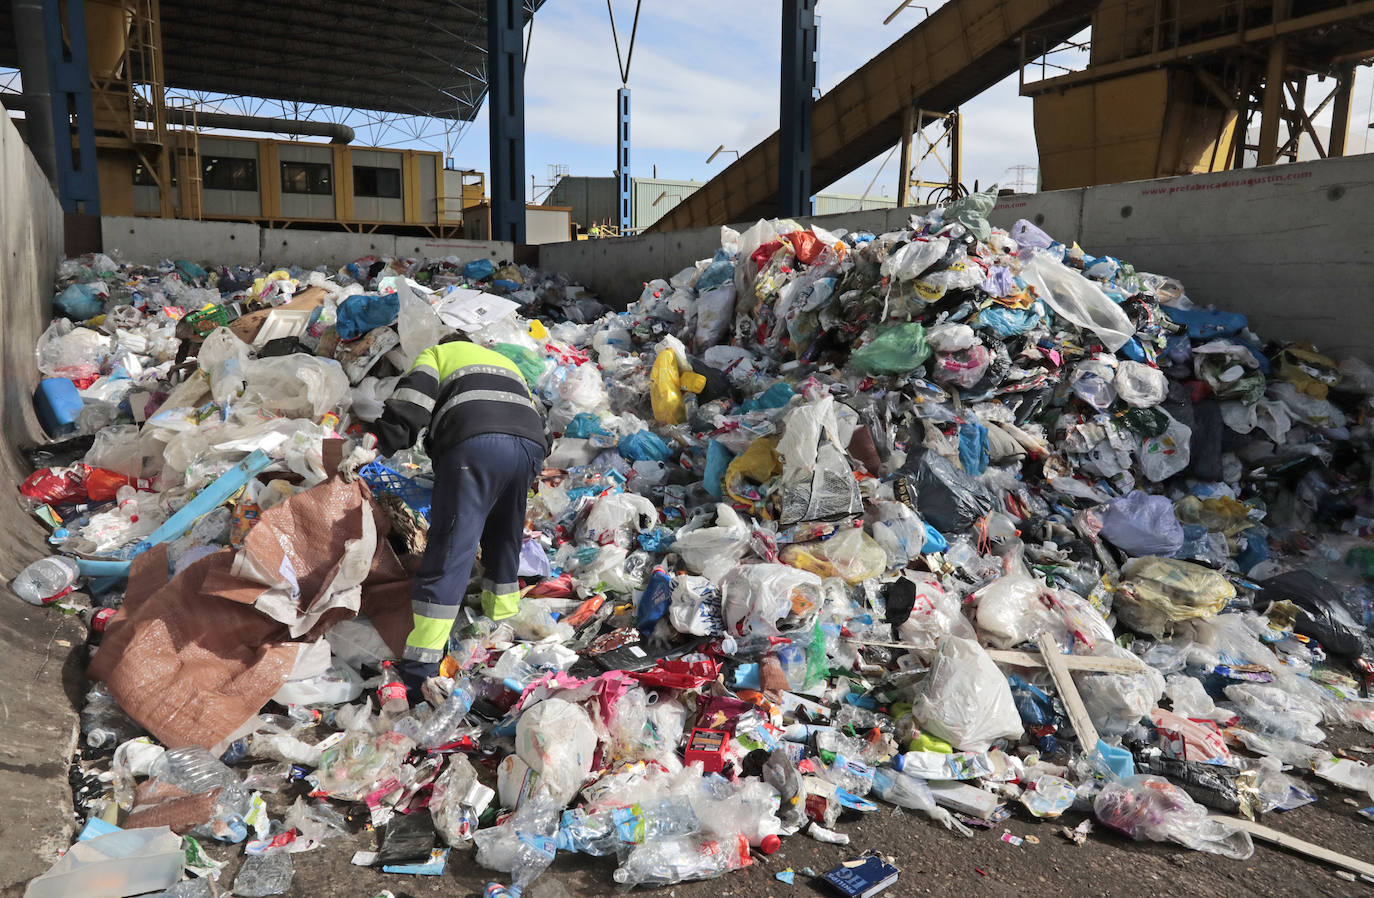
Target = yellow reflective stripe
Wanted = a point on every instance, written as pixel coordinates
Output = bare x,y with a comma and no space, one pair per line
498,606
429,633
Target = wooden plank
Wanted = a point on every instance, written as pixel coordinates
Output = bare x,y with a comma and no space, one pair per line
1072,662
1068,692
1292,843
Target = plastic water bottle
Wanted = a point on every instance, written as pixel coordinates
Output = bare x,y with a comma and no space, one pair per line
391,695
793,660
441,727
671,816
533,855
682,858
46,580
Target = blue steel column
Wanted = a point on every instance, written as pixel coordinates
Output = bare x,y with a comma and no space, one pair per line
69,72
622,158
506,117
797,87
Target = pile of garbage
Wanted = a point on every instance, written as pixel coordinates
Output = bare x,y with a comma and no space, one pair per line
957,519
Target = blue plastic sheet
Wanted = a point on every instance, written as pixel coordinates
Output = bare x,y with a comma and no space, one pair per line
364,312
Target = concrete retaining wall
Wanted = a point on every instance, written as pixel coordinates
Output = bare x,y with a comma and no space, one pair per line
235,243
1288,245
43,650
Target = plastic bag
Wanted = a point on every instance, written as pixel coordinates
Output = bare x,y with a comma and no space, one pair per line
1151,807
1157,592
965,699
715,312
712,547
1141,524
769,599
557,740
945,496
851,555
1078,299
1161,457
1140,386
895,350
912,259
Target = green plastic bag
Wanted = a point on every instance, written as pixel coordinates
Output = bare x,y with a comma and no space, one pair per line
530,365
896,350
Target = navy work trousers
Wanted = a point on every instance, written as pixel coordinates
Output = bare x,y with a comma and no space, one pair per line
480,487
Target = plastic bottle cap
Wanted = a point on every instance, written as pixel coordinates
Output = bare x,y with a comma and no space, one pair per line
770,844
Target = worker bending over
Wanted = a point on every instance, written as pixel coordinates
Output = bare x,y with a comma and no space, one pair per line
486,440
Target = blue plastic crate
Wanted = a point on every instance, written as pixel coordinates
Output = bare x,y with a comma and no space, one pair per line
384,480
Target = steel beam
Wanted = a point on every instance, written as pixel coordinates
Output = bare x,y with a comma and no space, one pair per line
1340,113
622,157
506,117
68,115
1272,109
904,162
798,84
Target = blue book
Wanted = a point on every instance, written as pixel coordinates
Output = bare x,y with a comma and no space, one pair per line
861,877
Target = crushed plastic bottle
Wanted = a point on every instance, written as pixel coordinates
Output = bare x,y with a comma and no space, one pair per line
46,580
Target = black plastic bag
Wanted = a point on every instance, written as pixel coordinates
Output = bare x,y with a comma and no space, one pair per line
406,837
946,497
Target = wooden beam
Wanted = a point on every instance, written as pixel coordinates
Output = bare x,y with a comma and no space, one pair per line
1292,843
1083,725
1071,662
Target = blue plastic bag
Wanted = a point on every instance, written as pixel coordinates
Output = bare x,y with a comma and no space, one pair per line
364,312
720,271
973,447
1204,324
583,426
718,458
79,302
644,445
479,269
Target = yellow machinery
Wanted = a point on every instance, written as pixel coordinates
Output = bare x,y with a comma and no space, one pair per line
1174,87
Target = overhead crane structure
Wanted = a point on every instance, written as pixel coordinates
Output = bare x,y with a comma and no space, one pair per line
961,49
1169,87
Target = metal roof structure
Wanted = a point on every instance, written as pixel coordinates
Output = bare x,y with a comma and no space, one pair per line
410,57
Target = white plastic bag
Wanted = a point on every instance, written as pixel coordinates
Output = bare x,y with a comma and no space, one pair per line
715,312
769,599
1161,457
1078,299
965,699
1140,386
557,740
715,546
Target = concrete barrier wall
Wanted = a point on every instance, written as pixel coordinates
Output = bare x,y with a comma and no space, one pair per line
42,675
235,243
1287,245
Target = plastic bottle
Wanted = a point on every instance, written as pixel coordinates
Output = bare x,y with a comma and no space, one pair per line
682,858
653,604
46,580
441,727
195,770
391,695
792,658
666,817
851,775
533,855
103,722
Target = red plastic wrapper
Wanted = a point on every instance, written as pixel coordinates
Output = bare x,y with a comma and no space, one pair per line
678,674
57,486
806,245
101,485
559,587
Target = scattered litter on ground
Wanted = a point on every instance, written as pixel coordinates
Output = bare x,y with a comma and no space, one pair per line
981,529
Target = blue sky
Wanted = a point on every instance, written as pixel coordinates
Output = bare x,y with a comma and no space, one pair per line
705,73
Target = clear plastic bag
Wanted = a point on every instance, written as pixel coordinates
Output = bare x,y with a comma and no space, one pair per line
1157,592
712,547
1151,807
965,699
769,599
1077,299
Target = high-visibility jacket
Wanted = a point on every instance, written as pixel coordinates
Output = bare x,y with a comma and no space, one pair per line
458,390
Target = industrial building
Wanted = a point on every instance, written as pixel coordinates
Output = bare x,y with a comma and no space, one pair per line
593,201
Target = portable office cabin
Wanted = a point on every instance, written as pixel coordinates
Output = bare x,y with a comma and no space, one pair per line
272,181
